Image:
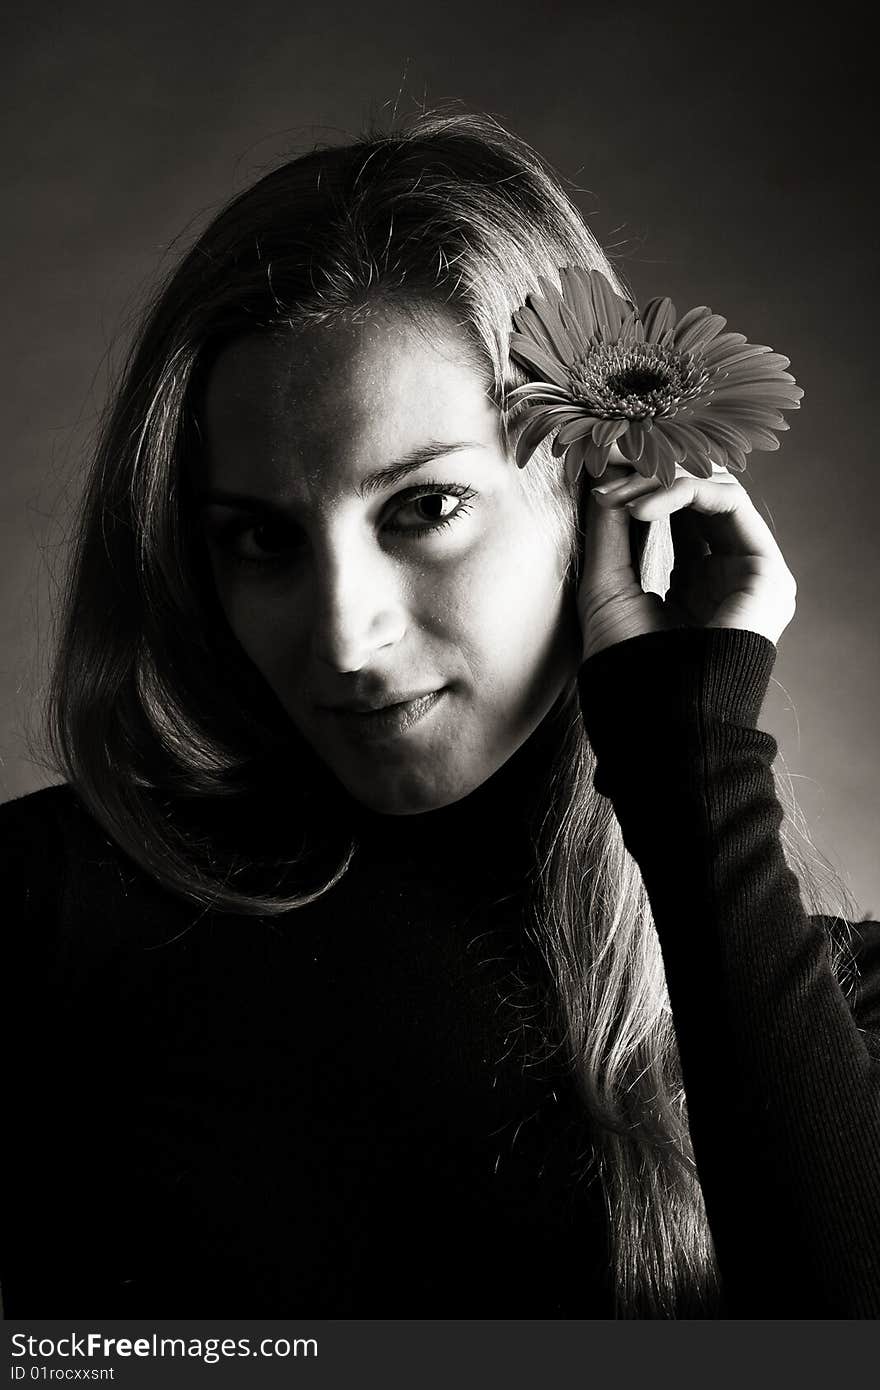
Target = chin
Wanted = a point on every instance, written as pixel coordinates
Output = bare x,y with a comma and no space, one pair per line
412,795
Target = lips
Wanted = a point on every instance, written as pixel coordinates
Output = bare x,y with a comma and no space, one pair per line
380,722
382,702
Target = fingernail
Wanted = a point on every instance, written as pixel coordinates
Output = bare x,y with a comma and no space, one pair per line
599,489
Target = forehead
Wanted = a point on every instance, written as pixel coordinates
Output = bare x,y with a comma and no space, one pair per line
334,402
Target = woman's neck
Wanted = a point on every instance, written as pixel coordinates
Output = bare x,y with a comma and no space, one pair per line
504,806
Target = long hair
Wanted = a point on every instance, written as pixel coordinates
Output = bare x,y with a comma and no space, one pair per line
168,734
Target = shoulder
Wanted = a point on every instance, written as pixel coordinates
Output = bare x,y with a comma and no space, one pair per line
32,824
71,897
44,835
33,870
40,823
34,809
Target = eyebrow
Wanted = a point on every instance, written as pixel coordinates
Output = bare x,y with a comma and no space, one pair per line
373,482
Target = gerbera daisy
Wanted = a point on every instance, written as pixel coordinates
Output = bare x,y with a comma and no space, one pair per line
667,391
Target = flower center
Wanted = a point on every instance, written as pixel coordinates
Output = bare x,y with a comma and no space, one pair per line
632,380
637,382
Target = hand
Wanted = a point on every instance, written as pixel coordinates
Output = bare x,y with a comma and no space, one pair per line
728,571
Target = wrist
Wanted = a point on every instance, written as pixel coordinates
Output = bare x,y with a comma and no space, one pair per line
667,676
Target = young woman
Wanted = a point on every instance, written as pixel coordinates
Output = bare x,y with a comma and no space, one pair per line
413,935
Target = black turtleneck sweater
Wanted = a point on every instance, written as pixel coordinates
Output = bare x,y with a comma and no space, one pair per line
347,1111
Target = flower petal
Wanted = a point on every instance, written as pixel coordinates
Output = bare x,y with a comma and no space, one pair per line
658,316
595,459
766,364
528,323
665,455
725,357
678,442
580,330
699,464
689,435
537,359
538,427
582,341
736,461
632,444
537,391
579,428
758,395
725,342
761,415
746,385
688,319
574,459
725,434
715,451
607,431
632,330
749,430
609,308
703,443
650,459
547,311
761,438
576,292
697,328
775,359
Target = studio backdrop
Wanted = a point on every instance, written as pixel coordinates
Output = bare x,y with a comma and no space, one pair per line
723,157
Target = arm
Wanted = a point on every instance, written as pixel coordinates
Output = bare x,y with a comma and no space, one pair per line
783,1094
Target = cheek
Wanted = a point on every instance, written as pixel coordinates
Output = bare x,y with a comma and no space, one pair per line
522,576
270,627
507,601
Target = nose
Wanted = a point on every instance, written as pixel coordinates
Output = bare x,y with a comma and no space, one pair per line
359,606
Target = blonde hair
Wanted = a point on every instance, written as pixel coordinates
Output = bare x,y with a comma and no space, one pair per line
168,735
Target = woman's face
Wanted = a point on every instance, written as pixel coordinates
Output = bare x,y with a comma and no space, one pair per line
378,558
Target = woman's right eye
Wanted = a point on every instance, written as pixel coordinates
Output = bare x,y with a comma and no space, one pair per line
257,545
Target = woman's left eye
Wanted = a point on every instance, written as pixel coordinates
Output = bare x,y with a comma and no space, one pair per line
432,509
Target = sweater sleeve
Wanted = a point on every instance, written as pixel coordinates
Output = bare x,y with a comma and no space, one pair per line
778,1062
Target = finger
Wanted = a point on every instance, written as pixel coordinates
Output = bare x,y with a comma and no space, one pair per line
618,470
606,540
728,519
615,472
634,485
624,489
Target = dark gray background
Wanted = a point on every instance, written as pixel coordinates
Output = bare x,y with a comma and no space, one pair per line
726,152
